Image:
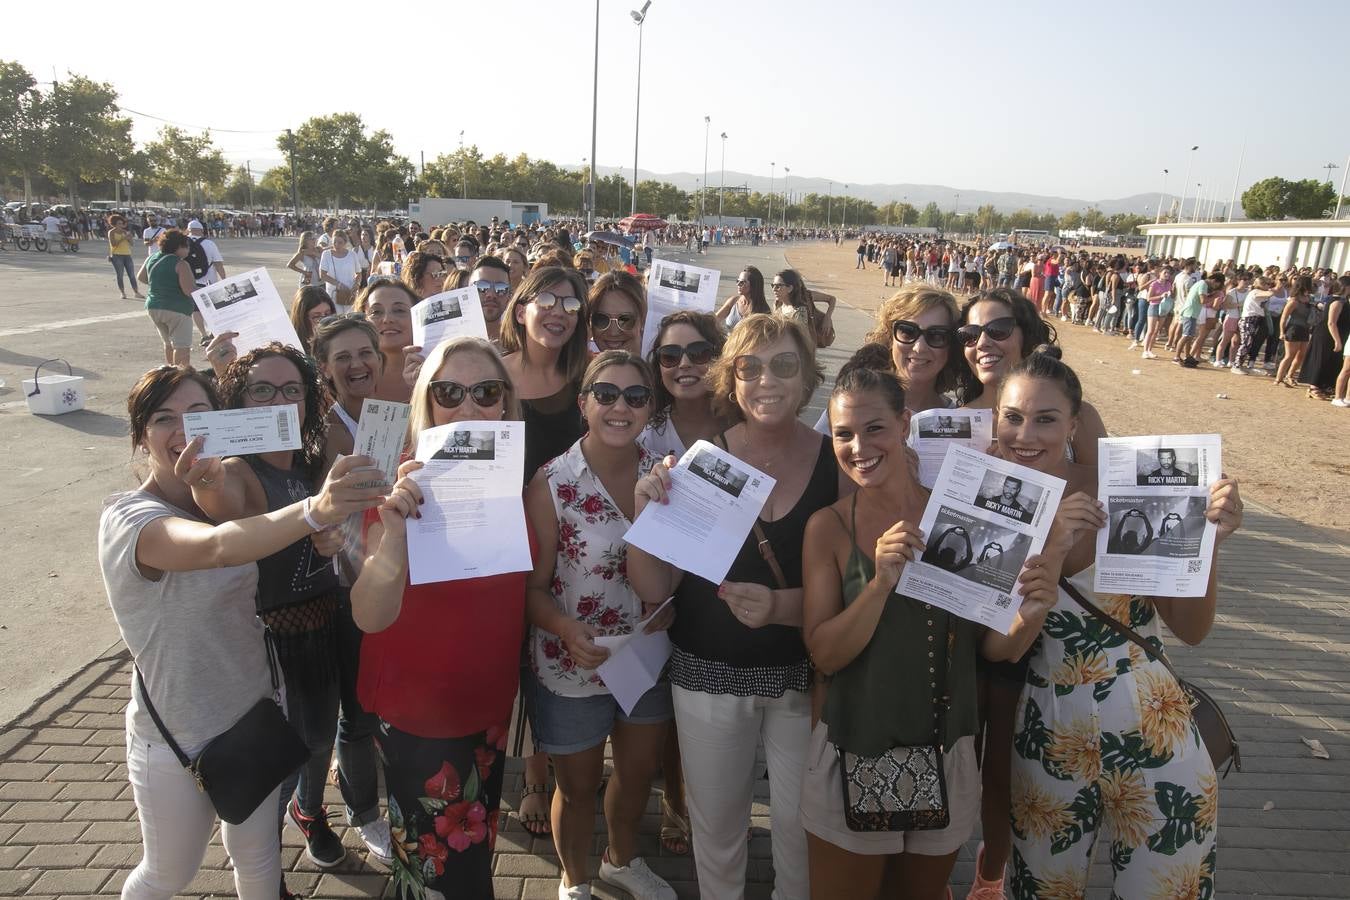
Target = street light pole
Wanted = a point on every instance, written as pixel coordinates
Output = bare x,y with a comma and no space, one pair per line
1161,195
702,197
786,174
722,187
1345,172
829,207
595,112
463,167
640,17
1232,201
768,219
843,223
1186,183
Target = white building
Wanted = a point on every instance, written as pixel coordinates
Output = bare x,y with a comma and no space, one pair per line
1311,242
435,211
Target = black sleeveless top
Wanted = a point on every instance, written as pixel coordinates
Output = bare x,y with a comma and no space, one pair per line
552,425
295,573
717,654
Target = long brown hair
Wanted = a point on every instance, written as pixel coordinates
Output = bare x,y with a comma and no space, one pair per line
574,356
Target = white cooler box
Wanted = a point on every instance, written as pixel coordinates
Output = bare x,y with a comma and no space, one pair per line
52,395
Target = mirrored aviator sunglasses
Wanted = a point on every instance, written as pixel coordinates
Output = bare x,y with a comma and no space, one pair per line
936,336
998,330
451,394
636,396
783,365
700,353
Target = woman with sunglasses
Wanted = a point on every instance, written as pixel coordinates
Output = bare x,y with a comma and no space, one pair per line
1151,793
387,305
440,662
919,326
310,305
739,667
618,304
424,273
182,591
580,505
686,347
793,299
543,342
299,598
748,300
999,329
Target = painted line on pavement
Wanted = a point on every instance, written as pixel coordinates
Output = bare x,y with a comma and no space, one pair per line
69,323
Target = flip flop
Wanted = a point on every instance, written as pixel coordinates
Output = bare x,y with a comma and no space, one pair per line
675,833
535,823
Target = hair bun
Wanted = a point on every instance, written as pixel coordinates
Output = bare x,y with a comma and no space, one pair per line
1054,351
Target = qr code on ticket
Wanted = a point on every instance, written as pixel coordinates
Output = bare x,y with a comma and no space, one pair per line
1193,566
1003,601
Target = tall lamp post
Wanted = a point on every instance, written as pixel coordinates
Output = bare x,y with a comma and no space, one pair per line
639,16
1161,195
595,112
463,168
1185,184
829,207
786,174
707,121
722,186
768,219
843,223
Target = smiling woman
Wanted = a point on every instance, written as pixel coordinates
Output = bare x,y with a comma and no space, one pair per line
388,305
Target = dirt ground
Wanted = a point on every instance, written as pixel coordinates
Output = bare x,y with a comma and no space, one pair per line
1288,452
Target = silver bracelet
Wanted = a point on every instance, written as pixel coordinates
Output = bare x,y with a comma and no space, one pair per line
309,519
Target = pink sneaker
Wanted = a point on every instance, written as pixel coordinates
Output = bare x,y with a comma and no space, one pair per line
983,889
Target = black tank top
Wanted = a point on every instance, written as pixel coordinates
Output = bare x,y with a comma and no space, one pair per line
295,573
552,425
704,625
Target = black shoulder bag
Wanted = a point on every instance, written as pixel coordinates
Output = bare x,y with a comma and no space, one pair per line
1210,721
240,767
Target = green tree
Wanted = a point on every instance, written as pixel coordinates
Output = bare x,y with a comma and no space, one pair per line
191,164
1094,220
22,126
1279,198
931,217
86,140
1070,221
336,162
239,192
1125,223
275,185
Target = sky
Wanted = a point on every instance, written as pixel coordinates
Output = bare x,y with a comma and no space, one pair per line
1087,99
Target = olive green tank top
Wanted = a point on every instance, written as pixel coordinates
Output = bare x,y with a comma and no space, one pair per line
884,698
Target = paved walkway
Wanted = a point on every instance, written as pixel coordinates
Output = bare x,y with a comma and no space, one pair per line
1278,660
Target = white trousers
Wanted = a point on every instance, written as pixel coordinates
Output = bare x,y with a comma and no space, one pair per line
176,823
718,737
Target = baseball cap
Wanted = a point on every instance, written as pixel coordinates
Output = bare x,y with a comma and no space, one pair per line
194,225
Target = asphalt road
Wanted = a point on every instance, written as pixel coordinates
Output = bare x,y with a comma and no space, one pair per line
56,471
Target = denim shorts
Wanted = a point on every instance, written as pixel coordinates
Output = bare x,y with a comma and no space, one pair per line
563,725
1188,326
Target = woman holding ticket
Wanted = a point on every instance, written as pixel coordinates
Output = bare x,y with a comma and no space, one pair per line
739,669
1104,733
903,673
580,506
182,591
440,661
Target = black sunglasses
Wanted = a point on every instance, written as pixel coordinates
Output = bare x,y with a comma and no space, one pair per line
998,330
496,287
451,394
700,353
937,336
623,321
338,317
636,396
783,365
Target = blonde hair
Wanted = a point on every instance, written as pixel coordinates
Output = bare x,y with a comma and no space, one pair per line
912,300
751,333
420,417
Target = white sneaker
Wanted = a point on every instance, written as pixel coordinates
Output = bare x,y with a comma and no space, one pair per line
1340,403
636,878
378,840
1236,370
1134,345
575,892
1148,354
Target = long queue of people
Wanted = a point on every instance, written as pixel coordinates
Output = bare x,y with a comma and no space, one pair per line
218,574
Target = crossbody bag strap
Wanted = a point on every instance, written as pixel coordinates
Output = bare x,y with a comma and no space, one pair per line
765,548
1118,627
159,723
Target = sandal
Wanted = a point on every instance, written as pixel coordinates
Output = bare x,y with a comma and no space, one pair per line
536,823
675,833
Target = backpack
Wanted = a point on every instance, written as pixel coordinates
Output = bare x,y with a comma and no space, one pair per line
196,259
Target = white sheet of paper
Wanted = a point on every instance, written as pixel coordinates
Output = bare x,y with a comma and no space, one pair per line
239,432
471,487
932,431
984,518
247,303
1157,541
714,500
673,286
443,316
635,661
380,434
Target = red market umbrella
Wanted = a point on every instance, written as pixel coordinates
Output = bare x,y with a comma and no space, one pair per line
642,222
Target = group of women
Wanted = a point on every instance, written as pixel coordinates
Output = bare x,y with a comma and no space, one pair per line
215,568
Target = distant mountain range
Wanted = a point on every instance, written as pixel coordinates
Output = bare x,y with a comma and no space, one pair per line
918,195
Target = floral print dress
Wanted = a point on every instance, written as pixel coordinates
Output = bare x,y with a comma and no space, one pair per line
1105,746
590,577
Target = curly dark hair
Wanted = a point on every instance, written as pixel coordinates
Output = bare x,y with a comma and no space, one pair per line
1035,332
234,383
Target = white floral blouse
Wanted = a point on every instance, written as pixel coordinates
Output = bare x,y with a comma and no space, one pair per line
590,576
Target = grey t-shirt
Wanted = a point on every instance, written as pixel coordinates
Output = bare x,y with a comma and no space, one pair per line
194,634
